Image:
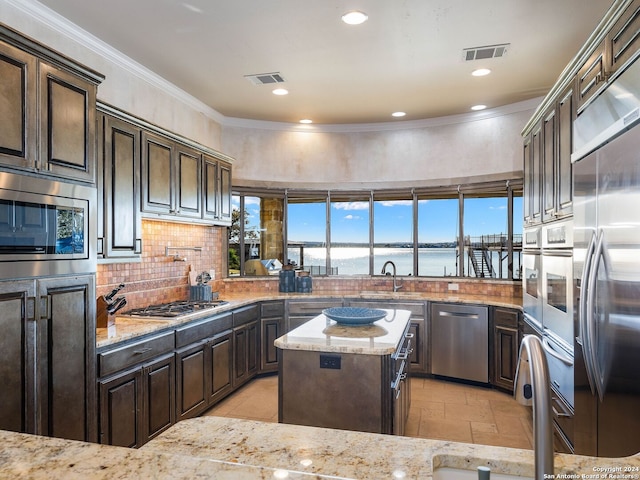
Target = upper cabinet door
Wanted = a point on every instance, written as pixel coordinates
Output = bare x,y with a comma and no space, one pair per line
18,107
67,125
188,183
622,42
591,78
210,188
158,174
564,194
225,193
121,189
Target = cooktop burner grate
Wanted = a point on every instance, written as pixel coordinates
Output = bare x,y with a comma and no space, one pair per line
173,309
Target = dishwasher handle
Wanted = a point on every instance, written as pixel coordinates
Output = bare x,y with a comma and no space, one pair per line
458,314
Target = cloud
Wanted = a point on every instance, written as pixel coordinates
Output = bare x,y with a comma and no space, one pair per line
352,217
501,207
350,205
395,203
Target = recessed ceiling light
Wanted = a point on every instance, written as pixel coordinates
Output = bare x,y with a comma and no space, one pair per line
481,72
354,17
478,107
280,91
306,120
398,114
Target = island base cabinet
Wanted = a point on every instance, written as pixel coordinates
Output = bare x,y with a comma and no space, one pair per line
356,396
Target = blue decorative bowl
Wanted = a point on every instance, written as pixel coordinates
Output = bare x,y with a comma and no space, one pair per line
354,315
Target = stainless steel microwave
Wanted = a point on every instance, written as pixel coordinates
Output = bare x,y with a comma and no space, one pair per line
46,227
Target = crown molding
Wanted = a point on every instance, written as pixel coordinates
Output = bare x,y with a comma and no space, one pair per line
70,30
512,108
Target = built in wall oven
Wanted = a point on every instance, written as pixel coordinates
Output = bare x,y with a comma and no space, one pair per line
557,283
46,227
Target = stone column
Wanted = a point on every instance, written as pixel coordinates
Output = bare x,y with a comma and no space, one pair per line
271,238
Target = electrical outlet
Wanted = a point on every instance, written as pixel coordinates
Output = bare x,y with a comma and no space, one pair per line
330,361
453,286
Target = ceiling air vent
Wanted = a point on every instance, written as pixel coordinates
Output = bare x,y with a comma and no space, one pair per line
483,53
265,78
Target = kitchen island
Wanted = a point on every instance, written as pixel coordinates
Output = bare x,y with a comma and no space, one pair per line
352,377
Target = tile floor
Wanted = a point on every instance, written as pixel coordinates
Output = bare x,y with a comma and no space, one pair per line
439,409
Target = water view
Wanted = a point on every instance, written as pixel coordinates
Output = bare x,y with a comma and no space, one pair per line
432,262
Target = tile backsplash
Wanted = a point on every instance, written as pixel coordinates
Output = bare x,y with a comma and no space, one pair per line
157,278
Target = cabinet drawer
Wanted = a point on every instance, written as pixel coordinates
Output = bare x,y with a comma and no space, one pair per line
131,354
245,315
203,329
505,318
272,309
312,307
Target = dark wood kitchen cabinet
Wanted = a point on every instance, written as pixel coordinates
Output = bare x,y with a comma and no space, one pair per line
47,352
138,404
204,364
119,220
532,192
505,347
245,344
272,316
216,178
171,182
137,390
48,111
623,40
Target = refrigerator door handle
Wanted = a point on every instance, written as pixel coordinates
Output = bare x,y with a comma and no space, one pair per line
598,378
583,334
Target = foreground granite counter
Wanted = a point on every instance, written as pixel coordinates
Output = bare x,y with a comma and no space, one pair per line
223,448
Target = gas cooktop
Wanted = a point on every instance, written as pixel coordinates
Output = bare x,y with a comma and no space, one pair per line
173,309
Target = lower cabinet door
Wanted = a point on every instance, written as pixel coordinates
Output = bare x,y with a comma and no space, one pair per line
138,404
220,382
191,378
159,397
120,409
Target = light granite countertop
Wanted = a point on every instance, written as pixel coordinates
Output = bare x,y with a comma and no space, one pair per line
322,334
225,448
126,328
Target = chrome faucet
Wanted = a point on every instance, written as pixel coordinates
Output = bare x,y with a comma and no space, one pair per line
396,287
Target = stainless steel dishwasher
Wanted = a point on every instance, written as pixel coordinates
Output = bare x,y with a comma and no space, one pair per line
460,341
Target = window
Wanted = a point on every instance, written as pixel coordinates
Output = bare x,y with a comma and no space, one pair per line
307,233
438,232
350,221
438,236
393,233
256,245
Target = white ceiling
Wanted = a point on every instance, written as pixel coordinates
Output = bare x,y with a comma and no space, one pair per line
407,57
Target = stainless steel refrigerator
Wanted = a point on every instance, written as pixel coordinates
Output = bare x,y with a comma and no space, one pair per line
607,285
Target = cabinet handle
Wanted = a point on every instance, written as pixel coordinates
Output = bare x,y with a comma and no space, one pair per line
409,335
31,308
45,304
142,350
558,414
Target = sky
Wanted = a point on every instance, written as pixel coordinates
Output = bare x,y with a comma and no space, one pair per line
437,220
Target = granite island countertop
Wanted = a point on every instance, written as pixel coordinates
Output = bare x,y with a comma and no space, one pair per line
322,334
225,448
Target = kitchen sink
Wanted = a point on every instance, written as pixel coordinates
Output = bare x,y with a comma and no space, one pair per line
392,295
448,473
